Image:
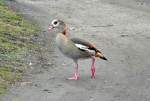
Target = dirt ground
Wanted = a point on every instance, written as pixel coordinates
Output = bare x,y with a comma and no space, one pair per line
120,28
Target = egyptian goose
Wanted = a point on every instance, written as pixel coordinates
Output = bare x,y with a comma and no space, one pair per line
75,48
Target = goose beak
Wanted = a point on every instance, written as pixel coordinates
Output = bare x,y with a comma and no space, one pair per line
50,28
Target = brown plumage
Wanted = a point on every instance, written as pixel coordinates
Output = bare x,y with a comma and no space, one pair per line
90,46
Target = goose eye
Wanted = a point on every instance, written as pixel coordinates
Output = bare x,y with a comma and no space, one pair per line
55,23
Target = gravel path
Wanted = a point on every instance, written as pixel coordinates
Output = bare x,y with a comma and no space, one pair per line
121,28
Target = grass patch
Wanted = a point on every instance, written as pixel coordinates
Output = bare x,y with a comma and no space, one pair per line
3,88
15,40
10,75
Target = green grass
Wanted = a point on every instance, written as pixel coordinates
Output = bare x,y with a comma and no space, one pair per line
15,40
3,88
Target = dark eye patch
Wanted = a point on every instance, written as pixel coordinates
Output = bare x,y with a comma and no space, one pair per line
55,22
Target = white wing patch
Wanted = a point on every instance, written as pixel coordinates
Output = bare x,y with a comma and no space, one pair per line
83,47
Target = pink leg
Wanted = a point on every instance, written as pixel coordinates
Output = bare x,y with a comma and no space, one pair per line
75,75
93,68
